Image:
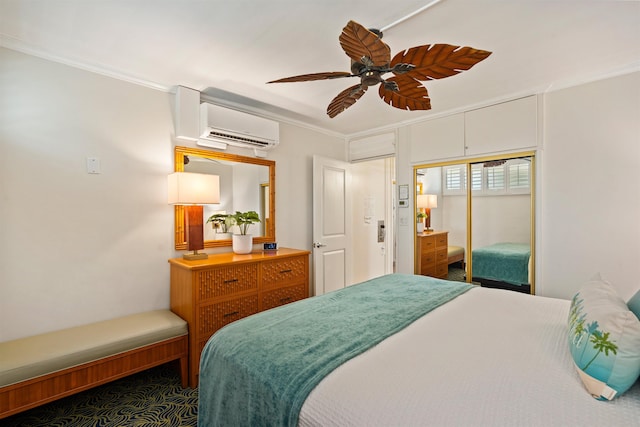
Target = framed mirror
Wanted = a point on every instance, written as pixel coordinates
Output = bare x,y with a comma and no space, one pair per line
246,184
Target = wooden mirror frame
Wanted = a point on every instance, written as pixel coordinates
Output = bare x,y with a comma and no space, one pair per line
270,227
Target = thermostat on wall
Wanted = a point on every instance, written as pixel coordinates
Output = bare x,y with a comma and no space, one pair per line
272,246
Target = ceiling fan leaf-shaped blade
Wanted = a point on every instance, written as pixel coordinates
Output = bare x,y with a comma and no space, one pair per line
439,60
358,42
313,76
345,99
411,94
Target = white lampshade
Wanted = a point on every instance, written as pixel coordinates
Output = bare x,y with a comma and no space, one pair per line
187,188
427,201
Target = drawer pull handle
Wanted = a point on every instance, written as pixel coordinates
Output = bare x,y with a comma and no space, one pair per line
233,313
285,299
230,281
285,271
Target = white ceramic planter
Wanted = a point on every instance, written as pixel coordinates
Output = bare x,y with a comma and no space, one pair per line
420,227
242,243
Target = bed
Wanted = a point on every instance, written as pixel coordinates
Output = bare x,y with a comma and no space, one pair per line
503,266
475,356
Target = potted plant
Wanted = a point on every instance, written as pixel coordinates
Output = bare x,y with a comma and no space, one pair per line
221,223
243,242
420,224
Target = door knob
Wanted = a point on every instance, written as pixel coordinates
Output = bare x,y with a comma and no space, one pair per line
318,245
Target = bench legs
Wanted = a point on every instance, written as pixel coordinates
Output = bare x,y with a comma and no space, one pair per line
28,394
457,258
182,366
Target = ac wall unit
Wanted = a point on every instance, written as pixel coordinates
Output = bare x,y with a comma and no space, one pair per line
223,125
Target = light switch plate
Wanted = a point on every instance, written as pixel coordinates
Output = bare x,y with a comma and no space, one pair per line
93,165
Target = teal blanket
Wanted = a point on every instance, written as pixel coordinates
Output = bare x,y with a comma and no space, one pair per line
503,262
259,371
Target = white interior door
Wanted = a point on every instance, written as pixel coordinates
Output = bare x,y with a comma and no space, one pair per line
331,224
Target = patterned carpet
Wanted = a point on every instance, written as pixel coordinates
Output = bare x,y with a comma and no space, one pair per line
149,398
456,273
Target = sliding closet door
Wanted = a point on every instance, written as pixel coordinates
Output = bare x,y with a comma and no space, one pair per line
501,222
485,207
446,207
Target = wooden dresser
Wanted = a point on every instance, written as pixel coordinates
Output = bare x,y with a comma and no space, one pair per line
432,253
214,292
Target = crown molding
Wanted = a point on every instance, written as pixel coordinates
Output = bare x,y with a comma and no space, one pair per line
20,46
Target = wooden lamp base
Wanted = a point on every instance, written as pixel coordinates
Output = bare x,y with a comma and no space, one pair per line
195,232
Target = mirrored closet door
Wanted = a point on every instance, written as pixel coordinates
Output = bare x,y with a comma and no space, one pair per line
441,221
485,209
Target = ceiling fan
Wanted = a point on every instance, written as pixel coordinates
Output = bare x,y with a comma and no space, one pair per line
371,59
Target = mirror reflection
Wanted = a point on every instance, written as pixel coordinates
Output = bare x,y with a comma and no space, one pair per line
501,218
246,184
441,247
485,208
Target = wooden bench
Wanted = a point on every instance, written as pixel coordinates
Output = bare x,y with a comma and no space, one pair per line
42,368
455,254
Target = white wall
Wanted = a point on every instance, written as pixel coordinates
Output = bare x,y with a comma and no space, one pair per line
405,228
590,187
454,220
77,248
501,219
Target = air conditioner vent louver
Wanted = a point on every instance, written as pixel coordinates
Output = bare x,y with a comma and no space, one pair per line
233,127
243,140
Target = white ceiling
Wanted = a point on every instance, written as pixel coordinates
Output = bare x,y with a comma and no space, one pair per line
229,49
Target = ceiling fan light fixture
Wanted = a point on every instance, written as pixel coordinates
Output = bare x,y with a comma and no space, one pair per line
371,78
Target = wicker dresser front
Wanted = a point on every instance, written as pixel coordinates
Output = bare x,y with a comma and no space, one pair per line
212,293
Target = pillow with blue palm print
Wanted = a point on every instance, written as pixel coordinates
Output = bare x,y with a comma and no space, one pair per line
634,304
604,339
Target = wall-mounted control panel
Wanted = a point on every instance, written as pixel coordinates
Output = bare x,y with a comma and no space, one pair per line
381,231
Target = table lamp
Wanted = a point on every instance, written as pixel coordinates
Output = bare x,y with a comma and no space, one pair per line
192,190
426,202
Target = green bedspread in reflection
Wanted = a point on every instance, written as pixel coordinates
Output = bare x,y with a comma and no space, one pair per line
503,262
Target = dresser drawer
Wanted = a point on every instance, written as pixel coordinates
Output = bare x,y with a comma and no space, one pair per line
427,244
441,240
285,271
428,270
282,296
212,317
221,281
441,271
428,258
442,255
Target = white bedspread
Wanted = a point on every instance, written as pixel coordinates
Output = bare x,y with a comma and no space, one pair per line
488,358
